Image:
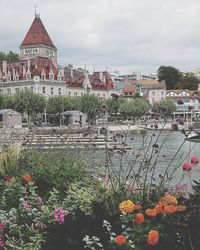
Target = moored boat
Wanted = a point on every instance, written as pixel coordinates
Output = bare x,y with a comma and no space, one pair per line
193,135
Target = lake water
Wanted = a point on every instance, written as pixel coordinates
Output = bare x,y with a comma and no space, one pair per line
162,152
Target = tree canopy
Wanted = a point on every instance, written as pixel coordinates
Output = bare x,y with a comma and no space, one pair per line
165,108
189,81
10,56
29,102
171,75
134,108
174,79
90,105
58,104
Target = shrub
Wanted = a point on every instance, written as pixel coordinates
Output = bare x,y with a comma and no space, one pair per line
53,170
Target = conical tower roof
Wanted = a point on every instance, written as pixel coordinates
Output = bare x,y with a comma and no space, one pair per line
37,35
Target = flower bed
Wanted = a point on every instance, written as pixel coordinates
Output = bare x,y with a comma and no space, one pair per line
52,202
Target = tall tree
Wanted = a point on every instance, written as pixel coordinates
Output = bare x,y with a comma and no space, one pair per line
1,101
134,109
91,105
113,105
171,75
59,104
189,81
29,103
10,56
8,102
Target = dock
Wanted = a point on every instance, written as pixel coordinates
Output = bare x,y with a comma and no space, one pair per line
66,141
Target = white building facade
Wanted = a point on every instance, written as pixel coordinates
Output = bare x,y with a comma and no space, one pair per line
37,71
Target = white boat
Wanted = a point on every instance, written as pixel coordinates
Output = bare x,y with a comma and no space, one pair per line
193,135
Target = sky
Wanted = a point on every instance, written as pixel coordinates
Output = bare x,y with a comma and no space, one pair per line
117,35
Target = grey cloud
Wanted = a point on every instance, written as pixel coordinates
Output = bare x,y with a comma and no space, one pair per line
125,35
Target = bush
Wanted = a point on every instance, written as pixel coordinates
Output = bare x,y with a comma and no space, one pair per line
53,170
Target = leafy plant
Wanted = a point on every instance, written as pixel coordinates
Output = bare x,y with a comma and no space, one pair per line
53,170
79,196
9,159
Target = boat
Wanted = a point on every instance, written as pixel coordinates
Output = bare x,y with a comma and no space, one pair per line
193,135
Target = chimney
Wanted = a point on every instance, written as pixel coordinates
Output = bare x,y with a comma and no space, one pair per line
104,79
24,70
101,76
4,66
72,72
14,73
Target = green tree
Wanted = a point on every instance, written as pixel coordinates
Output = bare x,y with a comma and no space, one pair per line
59,104
171,75
10,56
1,101
2,56
113,105
134,109
30,103
164,108
91,105
189,81
8,102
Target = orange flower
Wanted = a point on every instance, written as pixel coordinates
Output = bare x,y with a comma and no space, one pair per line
139,218
162,203
126,207
171,200
169,209
159,209
120,240
151,212
137,207
27,177
153,237
180,208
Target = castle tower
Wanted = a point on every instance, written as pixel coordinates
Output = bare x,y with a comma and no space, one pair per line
37,43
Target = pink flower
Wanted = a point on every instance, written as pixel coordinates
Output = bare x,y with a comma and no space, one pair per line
2,226
187,166
194,160
59,215
1,243
27,206
39,200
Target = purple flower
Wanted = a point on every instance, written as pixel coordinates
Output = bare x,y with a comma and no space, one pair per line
59,215
27,206
39,200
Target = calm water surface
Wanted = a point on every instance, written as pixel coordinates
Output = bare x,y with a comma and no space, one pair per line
172,152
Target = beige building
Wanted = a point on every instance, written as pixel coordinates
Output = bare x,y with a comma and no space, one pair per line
37,71
152,90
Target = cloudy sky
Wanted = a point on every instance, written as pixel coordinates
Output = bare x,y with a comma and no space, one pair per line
124,35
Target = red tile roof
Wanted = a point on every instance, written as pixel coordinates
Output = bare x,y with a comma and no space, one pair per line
37,35
37,66
129,89
95,80
149,84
